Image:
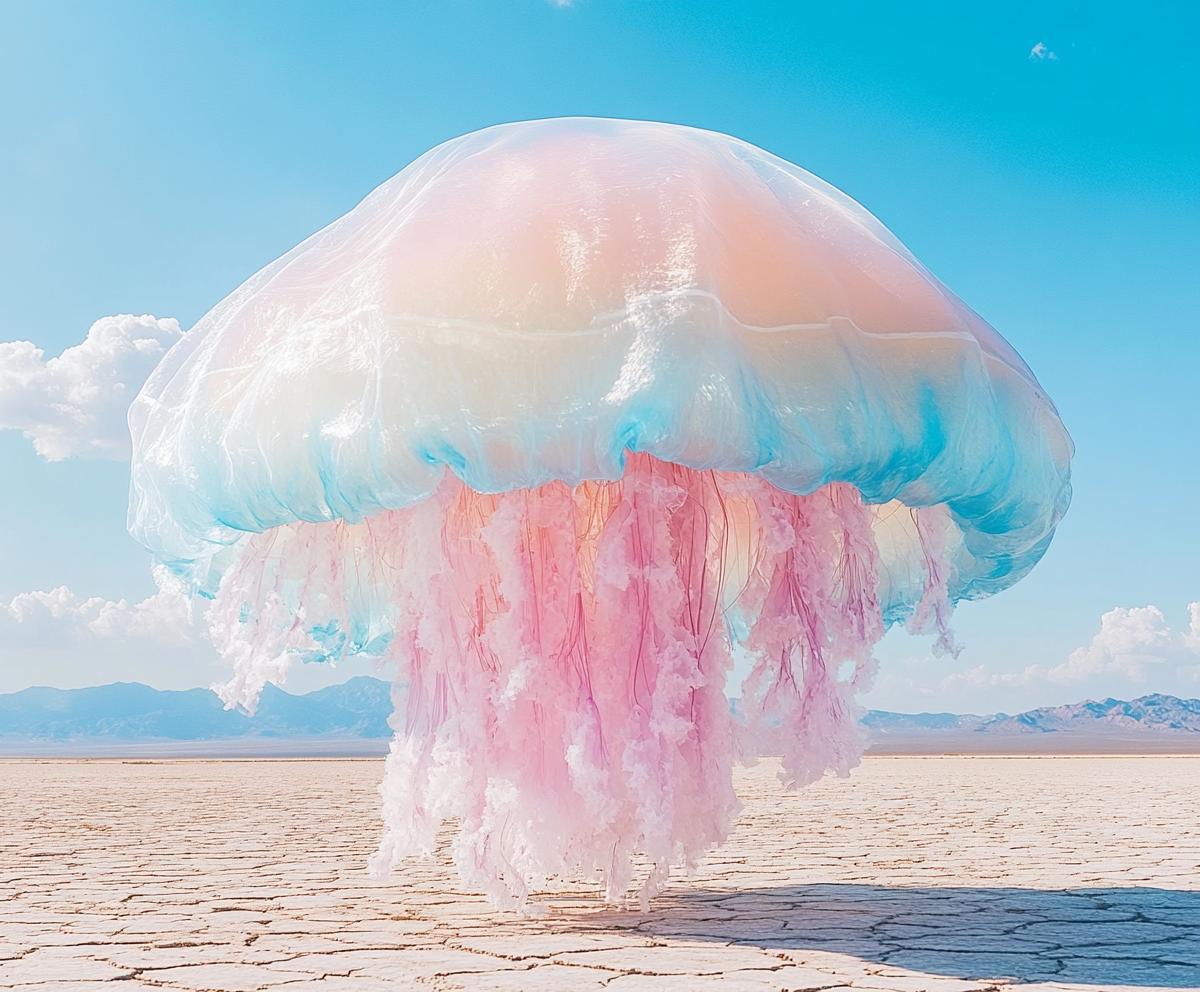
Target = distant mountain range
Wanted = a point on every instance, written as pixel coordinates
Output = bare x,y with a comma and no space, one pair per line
54,720
1155,712
1155,722
353,718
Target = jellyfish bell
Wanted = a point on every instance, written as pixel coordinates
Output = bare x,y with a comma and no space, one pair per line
557,422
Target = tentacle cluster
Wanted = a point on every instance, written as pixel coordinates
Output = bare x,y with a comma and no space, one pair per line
563,652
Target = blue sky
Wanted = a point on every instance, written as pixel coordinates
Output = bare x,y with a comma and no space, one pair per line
156,154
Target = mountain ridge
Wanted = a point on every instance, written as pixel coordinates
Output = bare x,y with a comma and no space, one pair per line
131,711
359,709
1156,712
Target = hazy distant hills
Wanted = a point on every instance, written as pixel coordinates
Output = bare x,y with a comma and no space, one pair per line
129,711
1155,713
1155,722
353,718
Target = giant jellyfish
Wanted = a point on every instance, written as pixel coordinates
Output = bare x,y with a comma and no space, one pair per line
562,423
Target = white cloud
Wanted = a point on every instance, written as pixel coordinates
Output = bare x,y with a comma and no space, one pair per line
61,618
1191,636
1041,53
57,637
74,404
980,677
1131,642
1135,648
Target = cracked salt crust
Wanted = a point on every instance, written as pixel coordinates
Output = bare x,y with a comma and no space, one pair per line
942,874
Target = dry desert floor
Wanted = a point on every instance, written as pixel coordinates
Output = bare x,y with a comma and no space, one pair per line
943,873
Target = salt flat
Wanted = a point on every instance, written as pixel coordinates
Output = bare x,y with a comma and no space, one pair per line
942,873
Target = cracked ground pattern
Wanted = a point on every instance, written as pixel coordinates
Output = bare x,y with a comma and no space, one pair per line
948,874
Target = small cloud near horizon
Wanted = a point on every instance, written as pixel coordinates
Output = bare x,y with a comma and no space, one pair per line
1041,52
74,405
61,618
1134,651
58,637
1135,647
